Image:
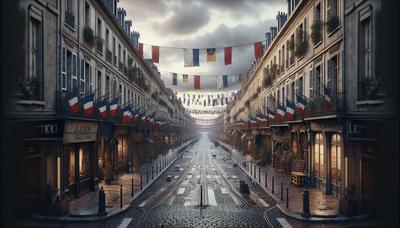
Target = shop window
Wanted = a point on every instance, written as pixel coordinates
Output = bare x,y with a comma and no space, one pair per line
122,152
319,166
83,161
336,159
71,166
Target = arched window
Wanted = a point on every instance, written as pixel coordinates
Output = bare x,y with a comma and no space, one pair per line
336,159
319,166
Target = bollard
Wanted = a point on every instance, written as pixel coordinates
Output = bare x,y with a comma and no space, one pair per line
201,195
273,184
281,191
259,174
287,197
306,203
120,196
152,173
147,176
141,181
132,193
102,202
266,179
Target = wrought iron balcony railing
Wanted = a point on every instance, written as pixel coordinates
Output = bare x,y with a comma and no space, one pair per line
319,107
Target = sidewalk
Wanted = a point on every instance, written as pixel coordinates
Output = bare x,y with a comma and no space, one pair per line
322,207
86,206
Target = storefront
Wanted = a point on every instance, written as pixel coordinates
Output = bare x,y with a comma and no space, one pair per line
80,159
104,150
121,164
281,154
326,156
41,143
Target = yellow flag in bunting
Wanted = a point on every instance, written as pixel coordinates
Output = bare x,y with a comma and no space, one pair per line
185,78
211,56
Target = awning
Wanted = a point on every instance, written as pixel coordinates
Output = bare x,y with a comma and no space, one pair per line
243,136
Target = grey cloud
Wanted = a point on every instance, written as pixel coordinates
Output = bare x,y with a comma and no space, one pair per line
185,20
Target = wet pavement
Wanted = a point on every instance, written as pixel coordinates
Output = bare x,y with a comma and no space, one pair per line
201,189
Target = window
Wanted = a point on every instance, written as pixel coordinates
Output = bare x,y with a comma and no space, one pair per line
99,38
114,88
114,52
120,94
99,82
292,92
87,14
317,26
83,161
107,40
332,13
365,55
332,74
318,157
86,82
69,17
283,95
34,81
291,58
71,164
300,86
317,12
316,82
108,85
336,159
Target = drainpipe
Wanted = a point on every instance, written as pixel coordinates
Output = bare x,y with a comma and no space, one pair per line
58,87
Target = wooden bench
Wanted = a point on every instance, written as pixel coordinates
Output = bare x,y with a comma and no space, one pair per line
299,178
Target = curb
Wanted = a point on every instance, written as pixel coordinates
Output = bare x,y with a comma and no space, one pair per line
95,217
311,218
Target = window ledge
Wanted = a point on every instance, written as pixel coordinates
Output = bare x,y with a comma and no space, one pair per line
69,26
334,31
317,44
370,102
30,102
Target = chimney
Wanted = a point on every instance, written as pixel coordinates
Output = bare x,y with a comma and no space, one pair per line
274,32
281,19
128,25
121,16
268,39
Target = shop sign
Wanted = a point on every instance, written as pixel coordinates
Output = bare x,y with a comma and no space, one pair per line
79,131
47,129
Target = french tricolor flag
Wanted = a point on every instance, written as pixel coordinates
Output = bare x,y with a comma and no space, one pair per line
126,115
289,110
73,101
136,118
103,109
301,104
280,113
87,102
114,107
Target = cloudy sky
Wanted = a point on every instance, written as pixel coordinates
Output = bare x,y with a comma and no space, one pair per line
202,24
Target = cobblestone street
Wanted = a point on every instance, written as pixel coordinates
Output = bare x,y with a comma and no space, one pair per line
177,203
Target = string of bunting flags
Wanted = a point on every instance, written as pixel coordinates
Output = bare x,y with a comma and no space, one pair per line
191,56
206,100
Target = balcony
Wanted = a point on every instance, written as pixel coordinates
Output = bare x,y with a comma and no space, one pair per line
69,19
318,107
